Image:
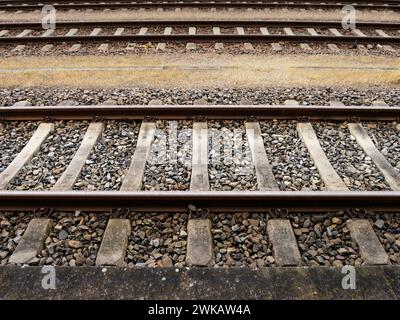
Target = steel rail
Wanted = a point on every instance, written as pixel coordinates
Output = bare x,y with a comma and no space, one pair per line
216,201
387,2
206,4
200,23
199,111
11,2
201,38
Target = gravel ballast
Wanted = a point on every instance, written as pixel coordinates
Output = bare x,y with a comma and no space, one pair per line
357,170
240,239
323,239
387,228
13,137
230,164
142,96
74,239
150,48
157,240
160,239
290,161
106,167
170,159
386,136
54,156
12,227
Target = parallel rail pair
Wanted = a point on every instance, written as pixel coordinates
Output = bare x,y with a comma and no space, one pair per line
10,5
262,34
215,200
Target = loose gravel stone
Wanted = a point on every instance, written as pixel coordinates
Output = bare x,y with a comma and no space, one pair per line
348,159
12,227
74,239
324,240
109,161
388,233
291,163
240,239
170,160
230,164
142,96
157,240
54,156
386,137
13,137
120,48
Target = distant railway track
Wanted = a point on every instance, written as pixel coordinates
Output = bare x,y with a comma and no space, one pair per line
211,31
66,5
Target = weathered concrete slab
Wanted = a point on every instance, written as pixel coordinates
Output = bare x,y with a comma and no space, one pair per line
371,250
47,48
199,251
71,32
359,33
199,179
328,174
162,46
276,46
288,31
335,32
191,45
19,48
32,241
265,177
291,283
333,47
47,33
143,31
113,245
197,283
370,283
75,47
26,154
134,177
393,279
312,32
218,45
392,176
284,243
95,32
305,47
119,31
24,33
68,178
247,45
103,47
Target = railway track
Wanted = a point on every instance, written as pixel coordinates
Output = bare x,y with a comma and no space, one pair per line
131,190
17,5
269,230
162,31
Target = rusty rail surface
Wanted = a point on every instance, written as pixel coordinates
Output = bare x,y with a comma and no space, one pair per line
10,5
201,111
216,201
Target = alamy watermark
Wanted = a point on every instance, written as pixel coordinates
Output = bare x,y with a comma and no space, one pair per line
49,17
49,278
349,18
349,280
